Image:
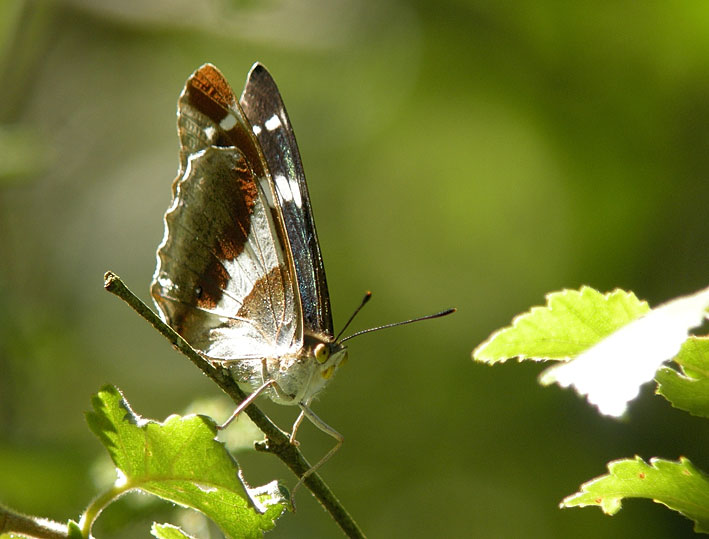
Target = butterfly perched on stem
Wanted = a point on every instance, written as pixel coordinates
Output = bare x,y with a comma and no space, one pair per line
239,271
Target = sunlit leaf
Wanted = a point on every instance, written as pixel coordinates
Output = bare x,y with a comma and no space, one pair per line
168,531
688,390
242,432
678,485
611,372
179,460
572,321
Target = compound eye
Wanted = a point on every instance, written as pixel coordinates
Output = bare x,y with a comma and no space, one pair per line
321,353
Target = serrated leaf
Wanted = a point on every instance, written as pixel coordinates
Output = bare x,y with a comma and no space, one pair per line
693,357
179,460
572,321
611,372
688,390
678,485
168,531
241,434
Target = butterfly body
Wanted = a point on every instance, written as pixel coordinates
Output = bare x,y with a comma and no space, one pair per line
298,376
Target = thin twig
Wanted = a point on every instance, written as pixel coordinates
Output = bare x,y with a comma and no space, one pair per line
28,526
277,441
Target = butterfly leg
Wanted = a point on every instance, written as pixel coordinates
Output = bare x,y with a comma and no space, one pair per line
248,400
327,429
297,423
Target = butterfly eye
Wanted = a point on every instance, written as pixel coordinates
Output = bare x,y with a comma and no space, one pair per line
321,352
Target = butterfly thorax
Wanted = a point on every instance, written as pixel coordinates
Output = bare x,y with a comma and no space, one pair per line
298,375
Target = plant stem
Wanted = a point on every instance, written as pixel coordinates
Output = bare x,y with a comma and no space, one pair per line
277,441
96,506
28,526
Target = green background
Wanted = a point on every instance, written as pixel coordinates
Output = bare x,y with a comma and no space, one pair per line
466,154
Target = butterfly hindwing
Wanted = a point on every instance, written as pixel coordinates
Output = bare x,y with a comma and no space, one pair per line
225,277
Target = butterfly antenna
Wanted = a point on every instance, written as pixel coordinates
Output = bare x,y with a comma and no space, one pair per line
394,324
365,299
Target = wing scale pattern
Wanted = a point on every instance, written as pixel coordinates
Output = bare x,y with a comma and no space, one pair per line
224,278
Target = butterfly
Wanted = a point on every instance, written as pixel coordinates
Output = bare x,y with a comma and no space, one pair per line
239,271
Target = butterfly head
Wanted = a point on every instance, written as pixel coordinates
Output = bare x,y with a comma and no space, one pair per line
328,355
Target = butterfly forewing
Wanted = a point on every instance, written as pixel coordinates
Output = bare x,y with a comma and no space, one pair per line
225,277
261,102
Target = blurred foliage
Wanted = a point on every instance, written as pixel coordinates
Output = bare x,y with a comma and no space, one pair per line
467,154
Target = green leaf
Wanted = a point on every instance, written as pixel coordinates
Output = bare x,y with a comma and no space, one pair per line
74,530
678,485
179,460
688,390
241,434
168,531
571,322
612,371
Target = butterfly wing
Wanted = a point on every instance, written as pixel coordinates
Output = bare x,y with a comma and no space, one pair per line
261,102
225,279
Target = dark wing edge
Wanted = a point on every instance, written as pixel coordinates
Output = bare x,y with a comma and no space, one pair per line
262,103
